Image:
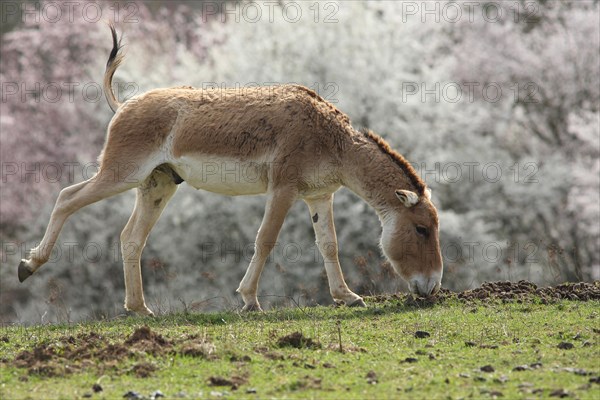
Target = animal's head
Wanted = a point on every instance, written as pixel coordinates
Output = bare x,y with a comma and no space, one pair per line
411,242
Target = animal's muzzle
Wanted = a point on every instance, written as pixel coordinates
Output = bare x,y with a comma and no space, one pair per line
425,286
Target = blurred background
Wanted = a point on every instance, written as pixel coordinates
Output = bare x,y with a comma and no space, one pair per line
496,104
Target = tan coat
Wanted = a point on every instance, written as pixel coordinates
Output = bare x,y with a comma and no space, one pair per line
285,141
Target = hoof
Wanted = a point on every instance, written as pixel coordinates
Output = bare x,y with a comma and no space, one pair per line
146,313
143,311
357,303
251,307
24,272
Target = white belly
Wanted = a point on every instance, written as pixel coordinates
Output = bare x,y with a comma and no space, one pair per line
224,176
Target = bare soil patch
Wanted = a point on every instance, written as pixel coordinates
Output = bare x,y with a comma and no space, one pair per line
506,291
234,382
298,341
91,350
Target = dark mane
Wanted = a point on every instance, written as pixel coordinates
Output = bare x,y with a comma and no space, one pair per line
404,165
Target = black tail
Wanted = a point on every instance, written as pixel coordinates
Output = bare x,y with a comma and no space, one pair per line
114,60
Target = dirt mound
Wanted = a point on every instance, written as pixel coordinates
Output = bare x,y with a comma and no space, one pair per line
144,369
74,353
234,382
144,334
522,290
298,341
505,291
39,361
145,341
202,349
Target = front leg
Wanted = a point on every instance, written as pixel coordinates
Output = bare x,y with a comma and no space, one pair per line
321,211
278,205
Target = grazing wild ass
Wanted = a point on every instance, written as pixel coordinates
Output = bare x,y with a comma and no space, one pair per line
291,143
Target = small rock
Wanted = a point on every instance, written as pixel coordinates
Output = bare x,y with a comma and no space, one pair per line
559,393
487,368
536,365
496,393
595,379
480,379
422,334
97,388
156,394
328,365
410,360
488,346
371,378
464,375
132,395
501,379
525,385
521,368
251,391
87,395
219,381
309,366
242,358
565,346
587,386
578,371
470,344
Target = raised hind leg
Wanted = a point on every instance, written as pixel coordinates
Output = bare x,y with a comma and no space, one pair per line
278,205
321,211
101,186
151,198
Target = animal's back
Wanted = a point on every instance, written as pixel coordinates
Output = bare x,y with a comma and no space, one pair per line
281,124
246,123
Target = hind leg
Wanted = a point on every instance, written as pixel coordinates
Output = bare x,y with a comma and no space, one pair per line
151,198
71,199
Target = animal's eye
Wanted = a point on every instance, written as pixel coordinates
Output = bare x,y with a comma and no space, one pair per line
422,231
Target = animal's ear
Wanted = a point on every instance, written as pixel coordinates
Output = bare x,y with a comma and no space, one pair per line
428,193
407,197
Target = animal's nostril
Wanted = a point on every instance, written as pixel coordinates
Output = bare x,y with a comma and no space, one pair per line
414,287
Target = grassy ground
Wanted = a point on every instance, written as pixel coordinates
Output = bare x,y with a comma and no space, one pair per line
468,349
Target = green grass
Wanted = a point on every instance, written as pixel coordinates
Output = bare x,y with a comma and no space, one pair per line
377,339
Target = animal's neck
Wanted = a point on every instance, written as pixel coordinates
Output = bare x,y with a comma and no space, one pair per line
373,175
